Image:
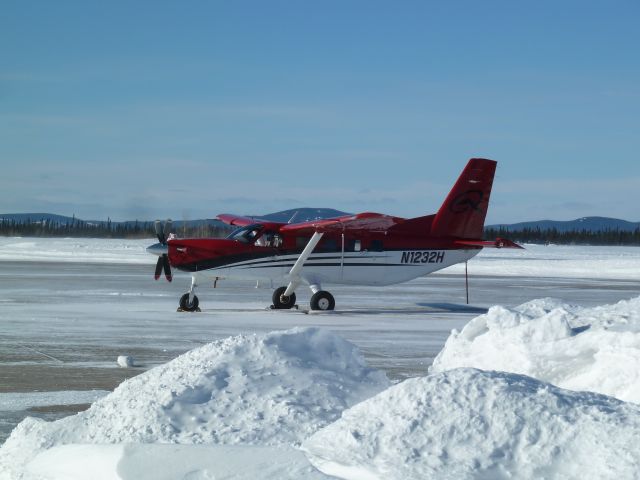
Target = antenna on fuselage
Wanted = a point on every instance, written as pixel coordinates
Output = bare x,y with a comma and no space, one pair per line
466,280
295,214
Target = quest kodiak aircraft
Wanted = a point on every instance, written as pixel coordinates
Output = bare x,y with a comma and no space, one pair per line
364,249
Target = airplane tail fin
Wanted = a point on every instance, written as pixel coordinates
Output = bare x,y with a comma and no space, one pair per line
463,212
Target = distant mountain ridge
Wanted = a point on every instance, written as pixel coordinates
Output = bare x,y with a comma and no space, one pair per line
294,215
297,215
589,224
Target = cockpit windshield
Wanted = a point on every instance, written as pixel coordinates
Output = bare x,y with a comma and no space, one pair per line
246,234
256,235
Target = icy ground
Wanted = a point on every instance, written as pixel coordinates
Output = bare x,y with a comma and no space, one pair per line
69,308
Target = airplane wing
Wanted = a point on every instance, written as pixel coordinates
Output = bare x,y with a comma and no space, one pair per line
367,221
237,221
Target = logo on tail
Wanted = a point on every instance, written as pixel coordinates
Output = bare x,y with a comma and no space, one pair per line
469,200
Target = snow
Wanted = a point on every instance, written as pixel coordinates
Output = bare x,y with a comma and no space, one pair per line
269,390
75,250
243,406
171,462
14,401
568,261
595,349
560,261
125,361
472,424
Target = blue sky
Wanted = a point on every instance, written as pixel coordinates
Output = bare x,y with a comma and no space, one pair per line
189,109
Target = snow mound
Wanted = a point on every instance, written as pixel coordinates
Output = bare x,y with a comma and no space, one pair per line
271,389
469,423
595,349
171,462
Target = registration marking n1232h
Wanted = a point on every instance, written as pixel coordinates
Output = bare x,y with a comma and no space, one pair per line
422,257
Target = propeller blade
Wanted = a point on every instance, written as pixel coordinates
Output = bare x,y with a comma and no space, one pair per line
158,268
167,228
159,231
167,267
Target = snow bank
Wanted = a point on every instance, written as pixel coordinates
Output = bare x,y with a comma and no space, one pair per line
171,462
74,250
271,389
595,349
559,261
468,423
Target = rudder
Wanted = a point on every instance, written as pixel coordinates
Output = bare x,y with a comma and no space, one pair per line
463,212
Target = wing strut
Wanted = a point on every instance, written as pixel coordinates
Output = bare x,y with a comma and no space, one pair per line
294,273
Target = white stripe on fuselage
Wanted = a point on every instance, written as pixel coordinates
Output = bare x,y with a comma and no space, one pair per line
361,268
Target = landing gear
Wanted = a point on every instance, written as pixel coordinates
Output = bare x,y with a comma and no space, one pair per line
322,300
189,304
280,301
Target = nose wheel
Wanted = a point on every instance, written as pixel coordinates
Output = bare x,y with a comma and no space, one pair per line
189,302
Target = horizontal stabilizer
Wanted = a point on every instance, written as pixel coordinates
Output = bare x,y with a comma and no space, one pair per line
497,243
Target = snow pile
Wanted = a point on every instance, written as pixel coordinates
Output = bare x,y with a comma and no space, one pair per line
172,462
272,389
468,423
595,349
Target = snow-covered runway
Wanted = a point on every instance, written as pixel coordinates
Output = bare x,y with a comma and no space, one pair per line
69,308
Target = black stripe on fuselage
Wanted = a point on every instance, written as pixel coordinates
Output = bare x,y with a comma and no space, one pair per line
345,264
248,260
266,260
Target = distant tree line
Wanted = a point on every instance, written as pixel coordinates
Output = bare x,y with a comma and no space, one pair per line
80,228
570,237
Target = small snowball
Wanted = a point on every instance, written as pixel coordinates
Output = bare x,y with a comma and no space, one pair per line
126,361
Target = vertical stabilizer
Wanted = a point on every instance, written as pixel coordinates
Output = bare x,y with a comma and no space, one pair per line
463,212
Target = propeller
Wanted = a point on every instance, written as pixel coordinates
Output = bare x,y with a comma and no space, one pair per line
162,232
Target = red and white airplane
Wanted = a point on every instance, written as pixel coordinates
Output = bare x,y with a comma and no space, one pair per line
363,249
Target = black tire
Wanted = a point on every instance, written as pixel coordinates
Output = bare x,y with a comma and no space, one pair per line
278,302
189,306
322,301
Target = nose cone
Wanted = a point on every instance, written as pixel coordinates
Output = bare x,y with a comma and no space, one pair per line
158,249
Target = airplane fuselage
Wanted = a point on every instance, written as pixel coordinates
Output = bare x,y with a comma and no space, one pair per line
337,261
357,268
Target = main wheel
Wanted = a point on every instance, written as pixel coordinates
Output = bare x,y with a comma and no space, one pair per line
280,301
189,306
322,301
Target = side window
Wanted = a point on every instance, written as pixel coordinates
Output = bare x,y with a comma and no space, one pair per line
376,246
328,245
